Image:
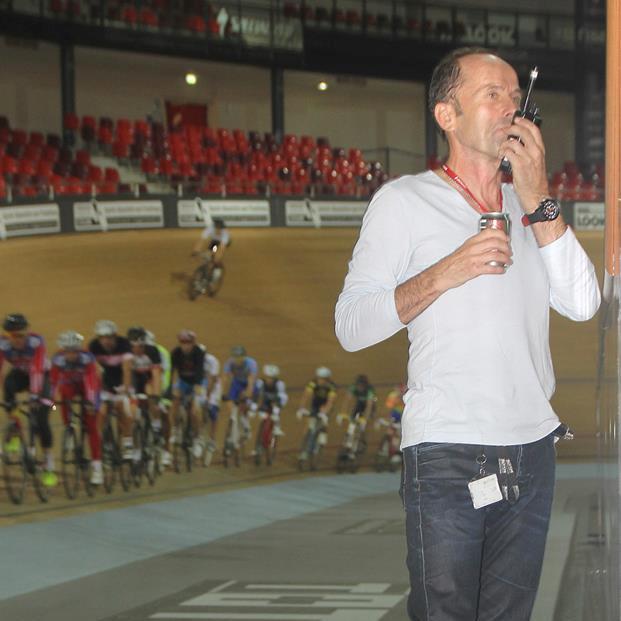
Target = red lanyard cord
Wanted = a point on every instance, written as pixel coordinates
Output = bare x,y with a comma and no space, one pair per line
457,179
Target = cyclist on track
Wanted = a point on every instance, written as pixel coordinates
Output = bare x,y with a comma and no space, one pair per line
319,395
394,404
74,373
188,377
271,395
213,397
214,234
165,391
240,376
146,368
113,354
360,401
25,352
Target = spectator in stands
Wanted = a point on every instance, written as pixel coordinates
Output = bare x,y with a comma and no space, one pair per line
478,428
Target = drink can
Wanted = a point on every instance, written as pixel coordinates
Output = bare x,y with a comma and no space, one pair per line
498,220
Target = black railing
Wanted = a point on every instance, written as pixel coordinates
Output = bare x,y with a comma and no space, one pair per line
280,24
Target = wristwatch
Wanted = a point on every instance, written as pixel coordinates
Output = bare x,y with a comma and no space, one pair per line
549,209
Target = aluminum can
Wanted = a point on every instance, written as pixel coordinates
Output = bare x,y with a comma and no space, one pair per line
496,220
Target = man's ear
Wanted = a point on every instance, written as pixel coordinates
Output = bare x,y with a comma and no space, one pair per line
445,114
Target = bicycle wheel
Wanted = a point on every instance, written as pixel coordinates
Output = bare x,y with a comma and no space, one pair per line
259,447
13,464
214,280
315,456
148,455
188,444
86,468
110,458
137,461
70,462
34,464
198,282
382,456
270,455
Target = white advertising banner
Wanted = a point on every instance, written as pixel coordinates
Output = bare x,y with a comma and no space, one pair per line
589,216
195,213
110,215
324,213
29,220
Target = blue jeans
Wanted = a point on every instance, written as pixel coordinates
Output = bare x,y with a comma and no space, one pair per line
469,564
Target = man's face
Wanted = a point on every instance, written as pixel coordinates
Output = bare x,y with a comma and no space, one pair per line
484,102
72,355
18,338
186,346
107,342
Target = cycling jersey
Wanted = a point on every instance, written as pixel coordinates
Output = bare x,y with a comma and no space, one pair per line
394,403
31,360
321,394
271,392
189,367
362,397
76,377
223,236
111,361
166,367
241,373
142,365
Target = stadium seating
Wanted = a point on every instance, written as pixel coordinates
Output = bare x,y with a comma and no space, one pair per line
200,159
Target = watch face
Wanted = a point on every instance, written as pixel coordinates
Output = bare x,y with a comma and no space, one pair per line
551,209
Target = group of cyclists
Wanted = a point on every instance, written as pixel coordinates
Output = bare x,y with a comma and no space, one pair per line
118,370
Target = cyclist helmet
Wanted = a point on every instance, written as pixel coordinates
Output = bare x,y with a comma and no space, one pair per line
323,372
14,322
105,327
186,336
218,223
271,370
150,340
238,350
137,335
70,340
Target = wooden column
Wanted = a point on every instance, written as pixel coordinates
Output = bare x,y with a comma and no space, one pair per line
613,135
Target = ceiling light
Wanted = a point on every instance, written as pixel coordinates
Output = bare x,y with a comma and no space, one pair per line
191,79
322,86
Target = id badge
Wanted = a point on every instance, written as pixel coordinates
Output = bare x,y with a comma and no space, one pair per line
485,491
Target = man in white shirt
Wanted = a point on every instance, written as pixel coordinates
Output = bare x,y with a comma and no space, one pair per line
478,429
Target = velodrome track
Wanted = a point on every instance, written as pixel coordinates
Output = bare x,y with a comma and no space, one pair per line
277,300
247,544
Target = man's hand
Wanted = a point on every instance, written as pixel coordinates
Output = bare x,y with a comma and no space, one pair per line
527,157
470,260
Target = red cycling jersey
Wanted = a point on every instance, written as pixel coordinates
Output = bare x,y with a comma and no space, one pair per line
76,376
31,359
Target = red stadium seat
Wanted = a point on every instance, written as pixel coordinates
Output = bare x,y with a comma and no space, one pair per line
44,169
37,139
9,165
120,150
197,24
71,121
111,175
108,187
148,17
26,167
83,157
129,15
95,174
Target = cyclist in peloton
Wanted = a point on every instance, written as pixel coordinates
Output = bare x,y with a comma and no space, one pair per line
211,368
214,234
74,373
188,377
271,395
25,352
146,367
240,376
360,400
113,354
165,402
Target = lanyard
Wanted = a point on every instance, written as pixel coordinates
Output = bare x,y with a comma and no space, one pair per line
457,179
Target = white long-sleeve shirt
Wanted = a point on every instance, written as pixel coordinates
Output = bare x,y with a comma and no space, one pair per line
480,369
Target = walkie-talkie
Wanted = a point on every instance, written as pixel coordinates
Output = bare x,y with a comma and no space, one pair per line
529,110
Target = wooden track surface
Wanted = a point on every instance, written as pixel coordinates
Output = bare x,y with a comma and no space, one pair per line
277,299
